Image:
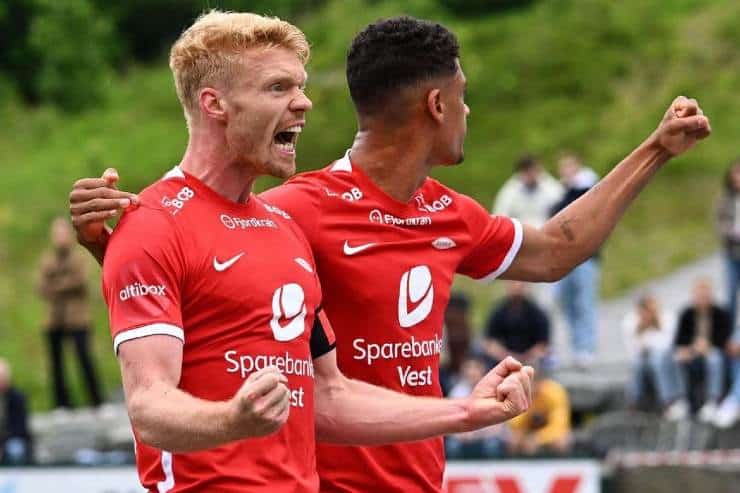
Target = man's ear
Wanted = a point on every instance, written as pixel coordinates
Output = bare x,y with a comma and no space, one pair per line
211,103
435,106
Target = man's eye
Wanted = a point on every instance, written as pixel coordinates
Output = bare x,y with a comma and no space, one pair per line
277,87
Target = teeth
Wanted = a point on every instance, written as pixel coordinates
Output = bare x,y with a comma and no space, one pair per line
295,129
287,146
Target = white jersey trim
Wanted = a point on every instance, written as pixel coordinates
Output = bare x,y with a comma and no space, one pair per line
342,164
148,330
510,255
175,172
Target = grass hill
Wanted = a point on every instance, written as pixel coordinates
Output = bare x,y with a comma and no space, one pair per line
589,76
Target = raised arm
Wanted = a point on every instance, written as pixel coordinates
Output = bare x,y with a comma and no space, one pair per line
92,202
355,412
577,232
168,418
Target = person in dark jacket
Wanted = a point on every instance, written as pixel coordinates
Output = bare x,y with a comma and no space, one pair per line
14,437
517,327
62,282
703,331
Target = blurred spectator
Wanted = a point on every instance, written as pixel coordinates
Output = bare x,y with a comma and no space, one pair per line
14,437
728,224
703,331
648,336
62,283
545,428
530,194
487,442
729,411
517,327
458,340
578,292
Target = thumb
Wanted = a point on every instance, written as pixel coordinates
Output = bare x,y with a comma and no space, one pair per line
689,124
110,175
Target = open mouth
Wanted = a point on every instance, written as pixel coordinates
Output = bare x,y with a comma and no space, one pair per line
285,140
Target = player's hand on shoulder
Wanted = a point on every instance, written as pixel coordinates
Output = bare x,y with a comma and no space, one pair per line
92,201
683,124
504,393
262,405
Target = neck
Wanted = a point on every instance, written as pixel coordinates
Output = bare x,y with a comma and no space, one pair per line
396,159
209,159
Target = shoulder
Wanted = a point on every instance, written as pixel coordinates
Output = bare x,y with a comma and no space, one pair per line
153,218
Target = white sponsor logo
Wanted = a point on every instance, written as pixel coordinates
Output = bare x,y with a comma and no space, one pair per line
352,195
220,267
232,222
370,352
416,288
277,210
414,378
176,204
137,289
304,263
438,205
444,243
288,303
354,250
244,364
376,216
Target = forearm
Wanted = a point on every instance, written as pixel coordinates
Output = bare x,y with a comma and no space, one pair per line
354,412
579,230
170,419
97,248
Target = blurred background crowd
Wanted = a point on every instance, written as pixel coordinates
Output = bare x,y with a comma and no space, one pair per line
638,342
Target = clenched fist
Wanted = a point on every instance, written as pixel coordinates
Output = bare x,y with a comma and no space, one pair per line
262,405
683,125
504,393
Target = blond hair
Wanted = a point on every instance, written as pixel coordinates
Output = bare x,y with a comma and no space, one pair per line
207,52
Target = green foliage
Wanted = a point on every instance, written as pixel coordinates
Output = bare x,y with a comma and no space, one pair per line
476,7
73,44
593,76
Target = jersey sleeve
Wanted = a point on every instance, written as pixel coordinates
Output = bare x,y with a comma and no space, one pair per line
495,241
300,198
142,276
322,335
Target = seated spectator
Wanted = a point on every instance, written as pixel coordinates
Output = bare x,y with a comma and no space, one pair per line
517,327
648,335
703,331
14,436
458,340
729,411
484,443
545,428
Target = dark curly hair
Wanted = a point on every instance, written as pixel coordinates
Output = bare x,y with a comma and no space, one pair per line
394,53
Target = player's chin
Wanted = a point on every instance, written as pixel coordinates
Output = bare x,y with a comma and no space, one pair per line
283,167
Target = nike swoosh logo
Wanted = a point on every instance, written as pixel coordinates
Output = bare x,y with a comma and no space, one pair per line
350,250
220,267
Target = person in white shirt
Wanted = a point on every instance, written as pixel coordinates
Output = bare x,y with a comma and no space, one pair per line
648,336
530,194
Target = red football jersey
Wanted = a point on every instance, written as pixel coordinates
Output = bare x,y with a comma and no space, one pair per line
237,284
386,269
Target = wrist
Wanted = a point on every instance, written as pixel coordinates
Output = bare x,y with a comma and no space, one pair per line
654,146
